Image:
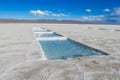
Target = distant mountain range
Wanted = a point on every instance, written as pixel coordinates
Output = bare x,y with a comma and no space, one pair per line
52,21
38,21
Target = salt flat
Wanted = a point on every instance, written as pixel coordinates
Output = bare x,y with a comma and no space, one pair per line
20,56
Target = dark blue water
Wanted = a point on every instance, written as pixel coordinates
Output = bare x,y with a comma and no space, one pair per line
63,49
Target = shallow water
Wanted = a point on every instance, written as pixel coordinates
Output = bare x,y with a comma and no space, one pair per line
47,35
63,49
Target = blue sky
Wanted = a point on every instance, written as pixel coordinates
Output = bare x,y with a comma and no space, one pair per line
60,9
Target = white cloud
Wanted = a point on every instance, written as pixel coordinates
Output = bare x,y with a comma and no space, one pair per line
88,10
116,11
33,12
114,17
107,10
46,13
58,14
55,15
92,18
39,12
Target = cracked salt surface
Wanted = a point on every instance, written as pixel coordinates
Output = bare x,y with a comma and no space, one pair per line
93,68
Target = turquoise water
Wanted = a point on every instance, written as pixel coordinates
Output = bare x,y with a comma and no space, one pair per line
47,35
63,49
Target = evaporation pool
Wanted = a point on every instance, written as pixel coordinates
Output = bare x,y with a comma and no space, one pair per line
42,35
63,49
55,46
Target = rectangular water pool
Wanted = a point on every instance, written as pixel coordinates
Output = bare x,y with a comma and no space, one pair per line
47,35
63,49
